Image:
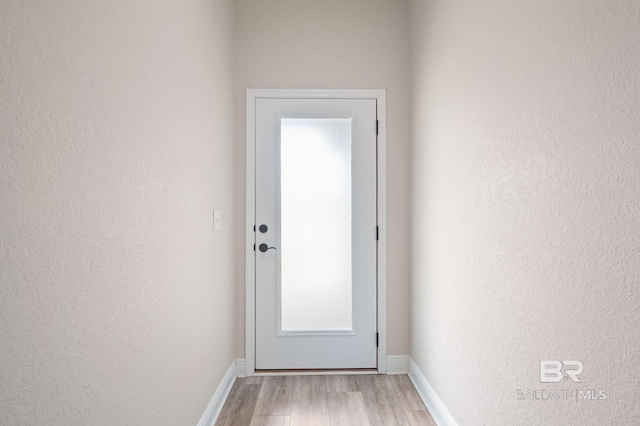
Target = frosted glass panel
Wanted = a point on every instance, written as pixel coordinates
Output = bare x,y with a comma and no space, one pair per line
315,224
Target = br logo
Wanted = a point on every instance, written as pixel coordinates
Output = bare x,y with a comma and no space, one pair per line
553,371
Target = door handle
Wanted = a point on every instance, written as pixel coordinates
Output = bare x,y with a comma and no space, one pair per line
263,247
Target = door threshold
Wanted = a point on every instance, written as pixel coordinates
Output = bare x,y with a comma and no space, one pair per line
312,372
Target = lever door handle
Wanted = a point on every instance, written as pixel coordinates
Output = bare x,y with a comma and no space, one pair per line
263,247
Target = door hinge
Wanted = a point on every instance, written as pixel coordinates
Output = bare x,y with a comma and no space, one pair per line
254,247
377,339
376,127
377,233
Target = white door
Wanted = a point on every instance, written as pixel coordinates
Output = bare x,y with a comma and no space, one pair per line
315,235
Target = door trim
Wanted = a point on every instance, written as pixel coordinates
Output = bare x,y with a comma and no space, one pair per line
250,297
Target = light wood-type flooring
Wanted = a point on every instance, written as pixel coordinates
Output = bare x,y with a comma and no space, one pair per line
346,400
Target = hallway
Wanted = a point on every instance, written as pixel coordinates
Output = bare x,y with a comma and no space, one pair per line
324,400
510,147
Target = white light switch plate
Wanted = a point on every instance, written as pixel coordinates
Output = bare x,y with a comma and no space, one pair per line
216,220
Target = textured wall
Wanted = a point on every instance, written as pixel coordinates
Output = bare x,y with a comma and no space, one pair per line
526,180
115,295
333,44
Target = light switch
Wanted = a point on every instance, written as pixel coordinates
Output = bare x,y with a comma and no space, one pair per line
216,220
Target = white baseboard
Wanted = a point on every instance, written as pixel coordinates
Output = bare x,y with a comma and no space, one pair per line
212,412
397,364
436,407
241,367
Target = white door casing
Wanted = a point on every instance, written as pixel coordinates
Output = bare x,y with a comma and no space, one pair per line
280,347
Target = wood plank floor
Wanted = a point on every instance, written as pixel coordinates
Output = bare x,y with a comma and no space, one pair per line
347,400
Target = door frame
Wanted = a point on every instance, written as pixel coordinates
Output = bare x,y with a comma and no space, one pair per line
379,95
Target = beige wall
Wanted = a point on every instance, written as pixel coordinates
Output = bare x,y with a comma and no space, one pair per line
355,44
526,180
116,297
